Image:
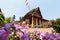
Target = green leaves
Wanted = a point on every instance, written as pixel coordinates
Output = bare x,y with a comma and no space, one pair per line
7,20
58,21
2,18
56,28
56,25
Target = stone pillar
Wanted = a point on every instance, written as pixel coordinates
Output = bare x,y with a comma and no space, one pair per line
32,22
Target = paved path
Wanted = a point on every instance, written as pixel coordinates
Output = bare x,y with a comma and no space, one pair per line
42,29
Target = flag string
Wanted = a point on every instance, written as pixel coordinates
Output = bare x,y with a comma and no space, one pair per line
27,4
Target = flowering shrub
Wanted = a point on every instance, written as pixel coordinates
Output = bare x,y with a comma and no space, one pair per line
16,32
4,32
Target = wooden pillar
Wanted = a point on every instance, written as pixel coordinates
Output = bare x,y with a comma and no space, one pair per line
43,23
32,22
39,22
36,21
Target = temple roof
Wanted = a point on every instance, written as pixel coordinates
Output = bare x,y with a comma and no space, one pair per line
36,12
45,20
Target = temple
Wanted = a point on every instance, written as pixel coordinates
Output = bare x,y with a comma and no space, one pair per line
36,19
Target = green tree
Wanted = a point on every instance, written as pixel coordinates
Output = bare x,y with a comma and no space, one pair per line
20,18
28,21
56,25
7,20
53,22
2,18
58,21
13,17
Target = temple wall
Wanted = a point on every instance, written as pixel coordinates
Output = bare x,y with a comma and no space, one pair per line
35,21
45,23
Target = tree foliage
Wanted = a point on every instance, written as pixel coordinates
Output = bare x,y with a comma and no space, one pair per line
28,21
7,20
58,21
2,18
20,18
13,17
56,25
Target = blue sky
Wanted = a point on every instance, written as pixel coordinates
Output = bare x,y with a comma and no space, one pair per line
50,9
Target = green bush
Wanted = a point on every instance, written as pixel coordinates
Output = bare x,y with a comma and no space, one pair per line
56,28
2,18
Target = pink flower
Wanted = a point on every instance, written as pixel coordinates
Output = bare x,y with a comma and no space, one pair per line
58,35
26,27
52,36
23,30
7,26
23,23
26,35
3,35
44,35
35,30
17,26
20,34
2,31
